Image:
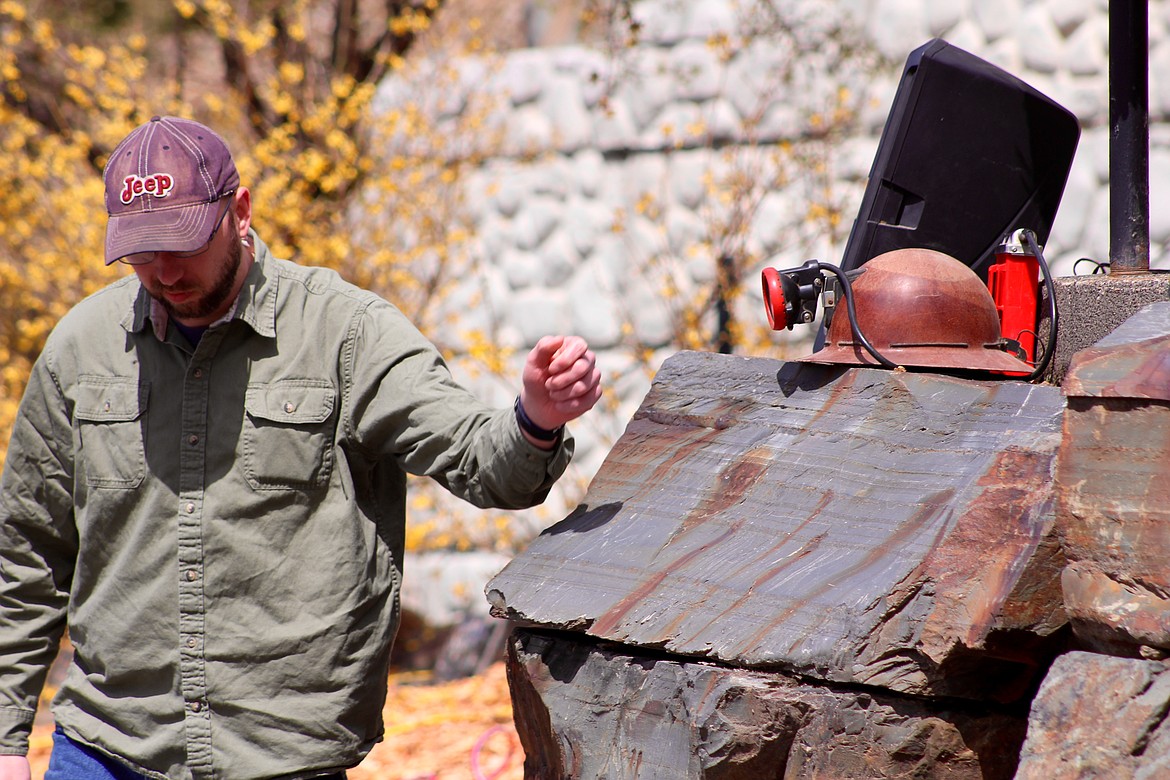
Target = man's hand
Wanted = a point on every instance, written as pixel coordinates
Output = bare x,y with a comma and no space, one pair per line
14,768
561,381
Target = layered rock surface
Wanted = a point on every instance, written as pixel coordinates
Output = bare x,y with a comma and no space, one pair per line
851,525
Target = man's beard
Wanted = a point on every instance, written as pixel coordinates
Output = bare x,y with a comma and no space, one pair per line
213,299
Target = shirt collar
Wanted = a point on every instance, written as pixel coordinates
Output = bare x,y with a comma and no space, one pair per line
255,305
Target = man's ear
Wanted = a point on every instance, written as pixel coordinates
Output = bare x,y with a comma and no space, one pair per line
242,203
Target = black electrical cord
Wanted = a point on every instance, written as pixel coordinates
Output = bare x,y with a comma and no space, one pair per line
1098,267
1028,239
847,290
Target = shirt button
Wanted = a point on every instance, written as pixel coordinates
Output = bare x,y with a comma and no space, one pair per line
196,706
190,508
191,641
289,407
192,440
198,373
192,575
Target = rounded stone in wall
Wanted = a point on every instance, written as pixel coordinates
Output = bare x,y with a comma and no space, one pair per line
711,17
1005,52
1086,53
509,190
558,259
996,17
642,177
1159,197
588,169
529,130
1044,51
647,88
697,71
1094,146
896,27
687,177
776,219
662,22
942,15
612,262
680,123
781,120
536,221
685,231
1085,96
649,309
524,75
593,309
537,312
614,128
585,221
721,122
493,236
570,120
521,269
592,69
755,70
1068,15
1094,241
1075,206
700,268
1160,87
644,238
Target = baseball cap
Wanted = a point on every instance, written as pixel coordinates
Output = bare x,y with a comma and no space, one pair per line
162,184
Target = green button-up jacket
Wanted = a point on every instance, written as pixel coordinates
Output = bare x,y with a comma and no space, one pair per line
221,526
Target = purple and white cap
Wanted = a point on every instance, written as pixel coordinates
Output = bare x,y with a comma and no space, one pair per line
162,185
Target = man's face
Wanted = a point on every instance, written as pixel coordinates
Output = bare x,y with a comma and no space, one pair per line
200,289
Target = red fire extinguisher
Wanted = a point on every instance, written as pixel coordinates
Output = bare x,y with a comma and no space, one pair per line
1014,282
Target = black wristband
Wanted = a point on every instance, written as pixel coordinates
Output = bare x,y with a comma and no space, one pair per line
531,428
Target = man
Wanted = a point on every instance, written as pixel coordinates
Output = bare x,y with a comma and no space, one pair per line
206,483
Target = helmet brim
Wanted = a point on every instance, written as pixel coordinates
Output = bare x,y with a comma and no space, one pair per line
960,358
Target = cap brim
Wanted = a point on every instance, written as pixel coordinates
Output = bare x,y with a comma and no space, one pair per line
182,229
972,359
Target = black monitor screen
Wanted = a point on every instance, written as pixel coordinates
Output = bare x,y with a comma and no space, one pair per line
969,154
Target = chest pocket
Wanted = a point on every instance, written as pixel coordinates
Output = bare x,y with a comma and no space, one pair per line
288,434
109,422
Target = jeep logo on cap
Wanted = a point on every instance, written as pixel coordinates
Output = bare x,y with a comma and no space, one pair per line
158,185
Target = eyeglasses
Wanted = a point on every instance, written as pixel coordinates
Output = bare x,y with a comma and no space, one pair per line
145,258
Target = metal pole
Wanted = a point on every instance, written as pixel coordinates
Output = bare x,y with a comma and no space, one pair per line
1129,139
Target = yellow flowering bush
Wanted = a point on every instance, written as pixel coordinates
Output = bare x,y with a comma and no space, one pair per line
289,85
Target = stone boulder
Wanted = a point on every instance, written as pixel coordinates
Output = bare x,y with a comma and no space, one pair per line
588,710
1098,716
857,526
1114,488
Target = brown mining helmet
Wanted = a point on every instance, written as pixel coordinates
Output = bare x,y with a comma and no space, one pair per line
921,308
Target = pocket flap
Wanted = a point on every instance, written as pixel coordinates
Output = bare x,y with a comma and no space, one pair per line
110,400
290,402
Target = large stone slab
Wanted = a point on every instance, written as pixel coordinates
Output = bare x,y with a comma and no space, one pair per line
585,711
1099,717
853,525
1114,495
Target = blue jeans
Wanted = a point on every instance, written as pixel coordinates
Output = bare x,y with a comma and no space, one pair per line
72,760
